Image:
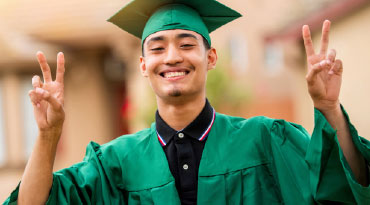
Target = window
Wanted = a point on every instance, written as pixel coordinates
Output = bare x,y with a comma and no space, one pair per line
29,123
2,132
273,58
239,53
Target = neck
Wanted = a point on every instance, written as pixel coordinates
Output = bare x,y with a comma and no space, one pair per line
180,113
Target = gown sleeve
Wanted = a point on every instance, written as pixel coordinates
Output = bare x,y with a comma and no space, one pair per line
86,182
315,168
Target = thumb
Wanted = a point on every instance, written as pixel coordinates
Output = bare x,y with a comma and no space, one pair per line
45,95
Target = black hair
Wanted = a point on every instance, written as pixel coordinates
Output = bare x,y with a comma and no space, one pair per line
205,43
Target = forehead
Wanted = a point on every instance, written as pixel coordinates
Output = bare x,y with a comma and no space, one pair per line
174,33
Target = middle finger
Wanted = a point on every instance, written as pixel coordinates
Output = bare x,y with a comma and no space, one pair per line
325,37
60,68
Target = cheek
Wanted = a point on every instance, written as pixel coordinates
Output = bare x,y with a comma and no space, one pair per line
197,60
151,65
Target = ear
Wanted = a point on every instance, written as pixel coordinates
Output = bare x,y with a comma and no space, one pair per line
212,58
143,67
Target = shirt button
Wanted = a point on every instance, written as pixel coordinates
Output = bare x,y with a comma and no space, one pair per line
185,166
181,135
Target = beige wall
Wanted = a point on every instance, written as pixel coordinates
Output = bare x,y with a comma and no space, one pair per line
14,144
276,87
84,36
87,106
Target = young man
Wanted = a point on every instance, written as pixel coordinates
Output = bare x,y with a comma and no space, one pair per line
193,154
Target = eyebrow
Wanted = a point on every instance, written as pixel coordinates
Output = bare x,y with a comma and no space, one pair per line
157,38
186,35
178,36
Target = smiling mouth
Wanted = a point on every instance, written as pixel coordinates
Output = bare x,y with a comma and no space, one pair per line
174,74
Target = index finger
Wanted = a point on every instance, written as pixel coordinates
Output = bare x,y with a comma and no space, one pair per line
325,37
46,73
60,68
308,45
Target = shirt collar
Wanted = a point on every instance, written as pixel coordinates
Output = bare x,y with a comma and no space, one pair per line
198,129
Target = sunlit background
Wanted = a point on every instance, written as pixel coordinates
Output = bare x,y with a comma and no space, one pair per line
261,70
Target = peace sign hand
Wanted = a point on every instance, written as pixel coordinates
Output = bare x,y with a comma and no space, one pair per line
324,76
48,97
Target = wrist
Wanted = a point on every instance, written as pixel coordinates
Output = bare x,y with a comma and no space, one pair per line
50,135
328,107
334,115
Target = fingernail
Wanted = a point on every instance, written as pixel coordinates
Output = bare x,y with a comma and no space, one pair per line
39,90
38,105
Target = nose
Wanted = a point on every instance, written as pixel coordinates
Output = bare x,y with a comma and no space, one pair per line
173,56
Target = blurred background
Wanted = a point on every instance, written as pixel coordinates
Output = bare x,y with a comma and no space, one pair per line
261,70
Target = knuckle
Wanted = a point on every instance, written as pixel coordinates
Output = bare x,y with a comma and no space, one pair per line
310,82
46,95
316,68
42,62
340,67
58,106
61,70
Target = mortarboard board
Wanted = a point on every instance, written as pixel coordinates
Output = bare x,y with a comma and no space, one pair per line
144,17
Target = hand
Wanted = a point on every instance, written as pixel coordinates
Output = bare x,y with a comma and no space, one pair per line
48,97
324,76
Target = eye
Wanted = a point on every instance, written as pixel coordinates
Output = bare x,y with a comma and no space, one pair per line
187,45
157,49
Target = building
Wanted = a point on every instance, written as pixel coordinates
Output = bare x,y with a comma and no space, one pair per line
261,70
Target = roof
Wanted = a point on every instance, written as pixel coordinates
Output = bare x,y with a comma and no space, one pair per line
55,20
333,11
17,49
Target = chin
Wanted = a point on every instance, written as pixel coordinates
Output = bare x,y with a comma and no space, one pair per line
175,93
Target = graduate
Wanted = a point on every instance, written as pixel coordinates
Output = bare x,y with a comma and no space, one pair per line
192,154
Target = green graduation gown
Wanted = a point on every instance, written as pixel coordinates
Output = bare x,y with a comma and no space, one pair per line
245,161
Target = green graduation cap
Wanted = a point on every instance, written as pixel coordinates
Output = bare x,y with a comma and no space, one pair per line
144,17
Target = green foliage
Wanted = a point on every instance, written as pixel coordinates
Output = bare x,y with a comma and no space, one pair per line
224,90
217,83
151,107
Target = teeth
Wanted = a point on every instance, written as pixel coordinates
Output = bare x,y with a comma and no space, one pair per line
173,74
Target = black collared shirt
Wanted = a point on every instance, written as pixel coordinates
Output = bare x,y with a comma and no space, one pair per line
184,150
